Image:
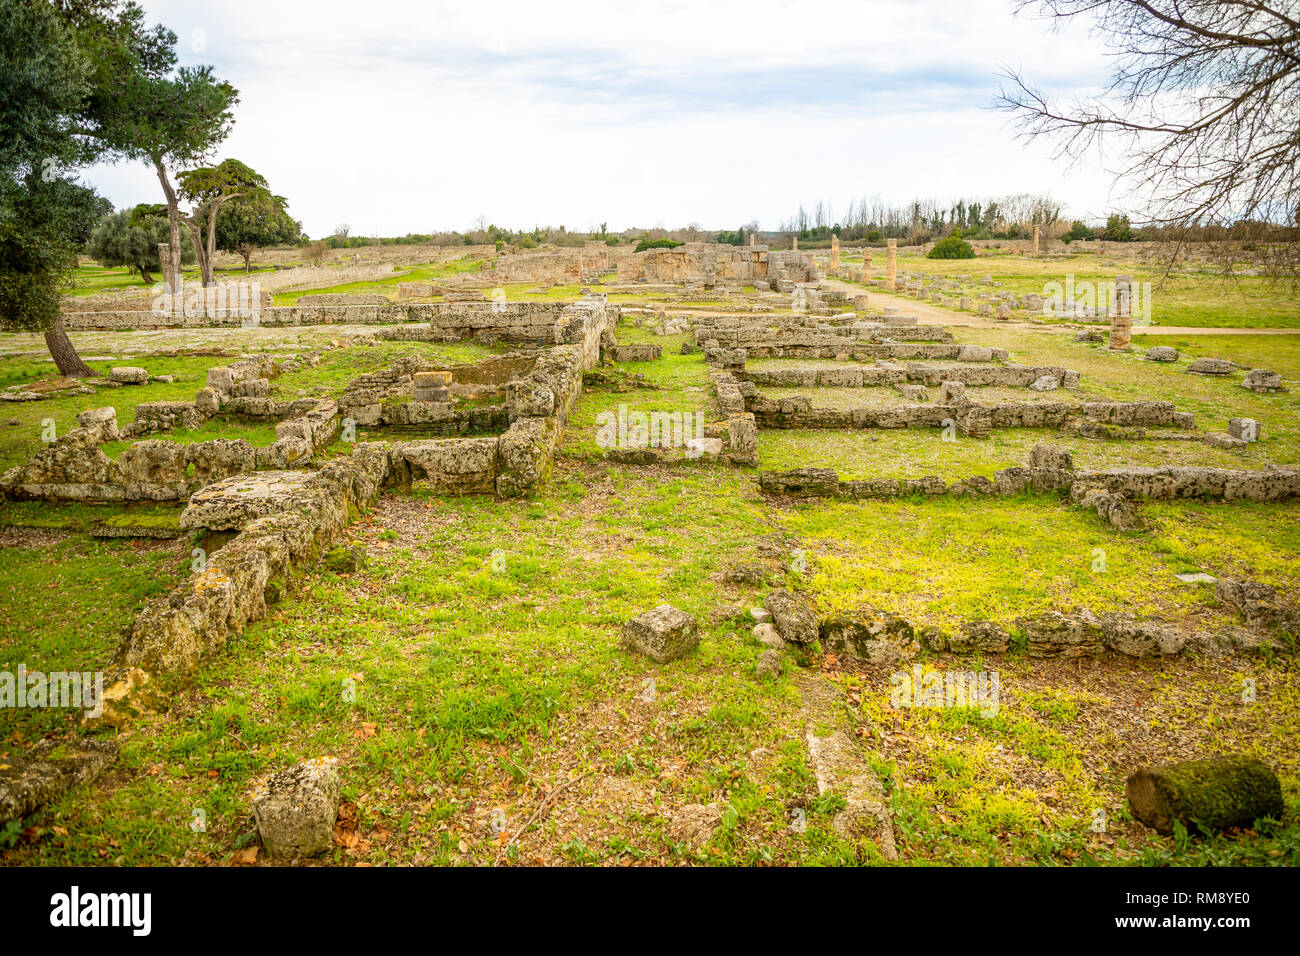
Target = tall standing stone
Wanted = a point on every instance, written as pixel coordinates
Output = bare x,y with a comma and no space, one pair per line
1035,238
794,243
891,265
1121,320
835,253
866,266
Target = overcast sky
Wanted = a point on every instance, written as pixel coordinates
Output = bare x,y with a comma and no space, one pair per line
418,116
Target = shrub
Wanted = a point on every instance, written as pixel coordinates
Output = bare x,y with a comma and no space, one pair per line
952,247
664,243
1078,231
1118,229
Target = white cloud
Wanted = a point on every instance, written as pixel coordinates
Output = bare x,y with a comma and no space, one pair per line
407,117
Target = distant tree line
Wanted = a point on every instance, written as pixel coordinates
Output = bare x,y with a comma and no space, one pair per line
921,220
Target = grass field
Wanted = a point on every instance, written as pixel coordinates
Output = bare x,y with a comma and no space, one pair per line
1198,299
470,674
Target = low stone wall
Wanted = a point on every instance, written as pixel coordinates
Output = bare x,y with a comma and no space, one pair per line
857,351
801,321
1007,376
1164,483
884,638
634,353
708,263
509,321
733,441
341,298
75,468
838,338
540,390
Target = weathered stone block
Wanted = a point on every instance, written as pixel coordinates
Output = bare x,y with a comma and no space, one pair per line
1051,457
526,398
231,504
102,422
296,808
128,375
635,353
1054,634
794,619
952,393
1245,429
1262,380
663,634
1212,366
979,636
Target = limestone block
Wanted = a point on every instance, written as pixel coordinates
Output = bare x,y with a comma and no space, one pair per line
1212,366
128,375
1247,429
1262,380
793,619
663,634
295,809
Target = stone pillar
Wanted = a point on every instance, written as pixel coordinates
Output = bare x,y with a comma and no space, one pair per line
751,237
1121,319
835,253
866,266
1035,238
891,265
794,243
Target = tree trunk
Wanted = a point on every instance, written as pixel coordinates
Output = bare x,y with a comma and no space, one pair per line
212,241
172,268
171,288
248,262
65,354
200,253
1213,794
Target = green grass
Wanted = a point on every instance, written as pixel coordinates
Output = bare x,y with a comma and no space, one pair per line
942,562
66,601
420,273
681,384
256,433
474,687
1042,781
95,279
21,423
472,666
1196,300
921,452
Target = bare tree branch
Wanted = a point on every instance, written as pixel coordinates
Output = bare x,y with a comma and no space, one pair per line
1203,104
